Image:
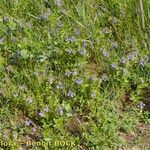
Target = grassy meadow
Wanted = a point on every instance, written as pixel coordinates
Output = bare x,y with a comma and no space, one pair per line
76,71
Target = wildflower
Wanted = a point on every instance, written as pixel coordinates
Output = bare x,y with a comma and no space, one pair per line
67,73
59,24
14,135
36,73
15,95
5,19
105,53
123,60
17,54
114,45
8,30
29,99
77,32
46,14
141,105
81,51
113,66
105,30
70,94
60,110
27,122
57,2
84,44
63,11
41,114
74,73
70,39
59,85
69,51
78,81
93,94
142,62
34,129
114,20
46,109
20,23
104,77
130,57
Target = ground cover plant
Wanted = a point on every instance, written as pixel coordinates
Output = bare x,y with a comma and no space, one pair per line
77,71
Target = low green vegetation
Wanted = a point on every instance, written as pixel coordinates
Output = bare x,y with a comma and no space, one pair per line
74,70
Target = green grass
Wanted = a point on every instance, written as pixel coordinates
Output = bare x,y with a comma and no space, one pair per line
75,71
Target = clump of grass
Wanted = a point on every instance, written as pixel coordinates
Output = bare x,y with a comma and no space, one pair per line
73,70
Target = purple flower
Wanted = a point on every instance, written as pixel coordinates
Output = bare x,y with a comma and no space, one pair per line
123,60
34,129
114,20
20,23
70,94
105,53
15,95
60,110
78,81
141,105
130,57
41,114
81,51
142,62
70,39
59,24
46,14
27,122
114,45
5,19
84,44
15,135
57,2
74,73
69,51
113,66
63,11
104,77
67,73
76,31
46,109
59,85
